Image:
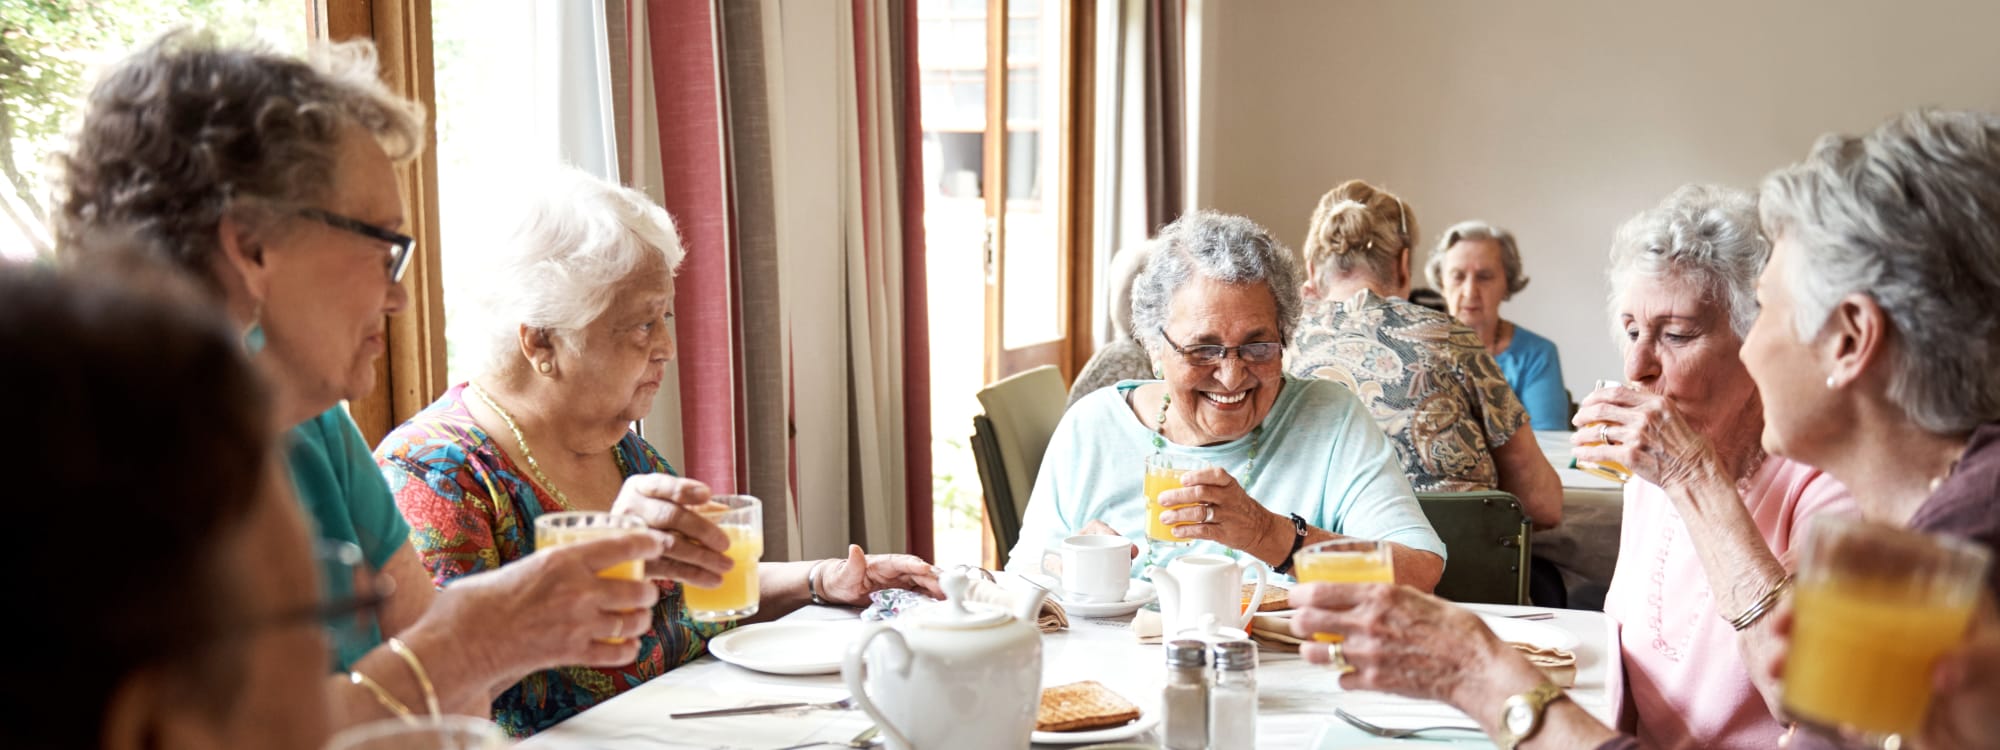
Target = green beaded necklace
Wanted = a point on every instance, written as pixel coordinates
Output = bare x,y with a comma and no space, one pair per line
1249,469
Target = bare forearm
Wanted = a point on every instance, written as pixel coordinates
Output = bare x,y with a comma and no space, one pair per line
1526,473
463,685
1564,723
1739,565
1416,568
783,589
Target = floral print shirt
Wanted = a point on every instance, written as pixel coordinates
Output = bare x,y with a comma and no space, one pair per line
1424,376
472,509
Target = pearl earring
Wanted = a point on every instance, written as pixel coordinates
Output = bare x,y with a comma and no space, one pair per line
1829,382
545,368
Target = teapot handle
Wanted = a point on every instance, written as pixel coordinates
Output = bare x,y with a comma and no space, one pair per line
854,672
1257,598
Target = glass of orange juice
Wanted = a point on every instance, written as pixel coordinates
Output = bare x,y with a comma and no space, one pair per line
1163,472
1874,607
1344,561
742,518
554,530
1611,470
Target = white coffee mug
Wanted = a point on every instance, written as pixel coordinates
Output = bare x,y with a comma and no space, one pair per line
1096,567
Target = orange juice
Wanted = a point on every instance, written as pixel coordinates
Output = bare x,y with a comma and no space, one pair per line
1158,481
738,594
1862,653
630,570
1344,561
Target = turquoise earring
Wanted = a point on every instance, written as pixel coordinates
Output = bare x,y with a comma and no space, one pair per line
253,339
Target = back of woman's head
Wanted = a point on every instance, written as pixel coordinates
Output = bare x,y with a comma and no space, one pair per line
1359,227
136,443
187,130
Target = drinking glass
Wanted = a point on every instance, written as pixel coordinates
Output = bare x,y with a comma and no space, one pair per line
433,733
554,530
742,518
1874,607
1163,472
1344,561
1611,470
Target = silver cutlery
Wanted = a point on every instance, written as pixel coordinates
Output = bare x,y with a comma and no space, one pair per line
839,705
1394,733
1534,616
866,738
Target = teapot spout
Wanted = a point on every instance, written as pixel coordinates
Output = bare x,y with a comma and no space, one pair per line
1028,604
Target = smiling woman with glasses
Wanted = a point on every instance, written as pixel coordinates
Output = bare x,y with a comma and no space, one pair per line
1288,462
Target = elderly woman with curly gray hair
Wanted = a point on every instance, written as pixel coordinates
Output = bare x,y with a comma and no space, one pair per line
1291,462
1871,365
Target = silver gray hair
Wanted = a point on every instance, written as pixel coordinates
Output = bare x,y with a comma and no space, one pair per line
1510,254
577,237
1910,216
1218,246
1125,267
1707,234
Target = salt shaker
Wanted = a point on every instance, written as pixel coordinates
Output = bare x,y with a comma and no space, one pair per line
1232,698
1185,698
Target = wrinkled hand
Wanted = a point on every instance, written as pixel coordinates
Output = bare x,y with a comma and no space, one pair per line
1648,436
1399,640
1211,505
557,611
691,545
1966,685
850,581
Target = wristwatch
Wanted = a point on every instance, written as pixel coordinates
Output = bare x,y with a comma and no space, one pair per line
1298,540
1521,715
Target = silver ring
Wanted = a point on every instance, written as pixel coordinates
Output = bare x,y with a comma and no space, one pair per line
1211,515
1604,433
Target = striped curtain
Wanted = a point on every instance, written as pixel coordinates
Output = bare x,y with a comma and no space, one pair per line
783,137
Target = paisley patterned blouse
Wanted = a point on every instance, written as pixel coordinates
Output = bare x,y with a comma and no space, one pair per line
1425,378
471,509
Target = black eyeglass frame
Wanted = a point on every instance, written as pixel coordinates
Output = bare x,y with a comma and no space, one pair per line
1210,355
399,259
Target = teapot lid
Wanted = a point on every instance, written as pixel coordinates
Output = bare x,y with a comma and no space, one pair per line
953,613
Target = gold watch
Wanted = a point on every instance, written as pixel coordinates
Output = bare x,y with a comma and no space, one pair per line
1521,715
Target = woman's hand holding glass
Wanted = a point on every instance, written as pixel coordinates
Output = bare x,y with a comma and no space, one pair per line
557,606
1211,505
1399,640
692,546
1645,433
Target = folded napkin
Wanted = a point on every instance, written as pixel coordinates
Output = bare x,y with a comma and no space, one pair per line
1559,665
1274,632
1051,619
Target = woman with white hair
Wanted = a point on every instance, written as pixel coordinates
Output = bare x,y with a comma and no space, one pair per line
575,339
1292,462
1478,266
1121,358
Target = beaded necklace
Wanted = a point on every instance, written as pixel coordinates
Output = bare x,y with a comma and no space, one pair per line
522,440
1249,468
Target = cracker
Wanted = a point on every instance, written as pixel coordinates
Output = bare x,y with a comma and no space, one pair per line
1082,705
1275,597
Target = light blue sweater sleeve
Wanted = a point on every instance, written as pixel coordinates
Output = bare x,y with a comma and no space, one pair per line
1534,369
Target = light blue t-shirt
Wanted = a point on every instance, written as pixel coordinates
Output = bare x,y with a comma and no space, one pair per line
342,489
1535,371
1320,455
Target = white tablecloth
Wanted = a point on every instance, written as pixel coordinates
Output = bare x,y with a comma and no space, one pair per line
1295,699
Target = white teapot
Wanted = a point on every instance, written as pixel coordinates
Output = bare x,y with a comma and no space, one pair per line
951,674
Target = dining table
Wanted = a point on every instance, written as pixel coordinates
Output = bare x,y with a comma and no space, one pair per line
1296,700
1584,547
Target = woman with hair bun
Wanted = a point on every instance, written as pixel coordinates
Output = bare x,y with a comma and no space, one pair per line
1425,377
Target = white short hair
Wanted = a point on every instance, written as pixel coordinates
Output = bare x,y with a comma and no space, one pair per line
576,238
1910,216
1706,234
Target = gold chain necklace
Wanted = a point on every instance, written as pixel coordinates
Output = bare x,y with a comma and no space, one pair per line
526,452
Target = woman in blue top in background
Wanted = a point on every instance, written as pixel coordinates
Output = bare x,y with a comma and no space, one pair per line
1478,266
1293,461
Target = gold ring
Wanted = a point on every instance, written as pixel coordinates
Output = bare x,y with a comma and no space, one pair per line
1339,662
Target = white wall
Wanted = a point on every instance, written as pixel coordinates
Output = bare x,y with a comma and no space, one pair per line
1557,119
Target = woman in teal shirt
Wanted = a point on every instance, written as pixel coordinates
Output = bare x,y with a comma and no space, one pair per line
1478,266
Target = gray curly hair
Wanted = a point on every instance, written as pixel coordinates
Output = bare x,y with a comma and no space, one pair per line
1703,233
1219,246
1510,254
186,130
1910,216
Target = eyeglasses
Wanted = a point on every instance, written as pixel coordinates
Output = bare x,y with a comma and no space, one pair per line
350,602
399,243
1206,355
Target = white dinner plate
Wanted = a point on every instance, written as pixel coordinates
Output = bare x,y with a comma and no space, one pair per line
1540,635
1145,721
787,647
1136,595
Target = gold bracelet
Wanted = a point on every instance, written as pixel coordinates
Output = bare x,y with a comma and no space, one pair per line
1762,606
382,696
423,678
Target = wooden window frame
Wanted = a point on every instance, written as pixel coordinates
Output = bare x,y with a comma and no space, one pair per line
411,373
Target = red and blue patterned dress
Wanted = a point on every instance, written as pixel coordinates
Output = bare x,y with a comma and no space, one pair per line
472,509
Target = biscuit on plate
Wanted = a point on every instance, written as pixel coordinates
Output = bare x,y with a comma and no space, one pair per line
1082,705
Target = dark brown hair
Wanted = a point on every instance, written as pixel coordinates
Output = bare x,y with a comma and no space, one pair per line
137,439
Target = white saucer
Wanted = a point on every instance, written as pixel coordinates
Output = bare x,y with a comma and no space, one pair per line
1537,634
787,647
1137,595
1145,721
